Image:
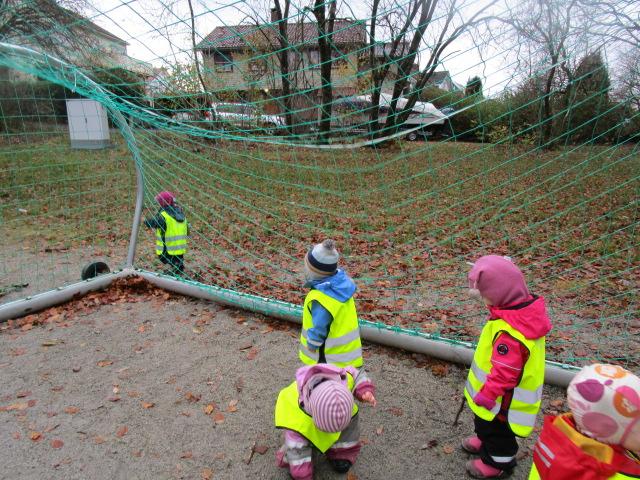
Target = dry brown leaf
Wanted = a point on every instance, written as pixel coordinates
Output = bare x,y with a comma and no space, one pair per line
15,406
192,397
218,418
122,431
27,327
207,474
56,443
186,454
147,404
71,410
352,476
35,436
141,329
32,403
440,369
557,403
252,353
137,453
397,411
57,388
269,329
133,394
196,330
246,346
448,449
105,363
233,406
114,398
98,440
379,430
23,394
209,409
261,449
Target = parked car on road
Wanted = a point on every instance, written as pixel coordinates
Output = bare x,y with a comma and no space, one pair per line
353,112
245,116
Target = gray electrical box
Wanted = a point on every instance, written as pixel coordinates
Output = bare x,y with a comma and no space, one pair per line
88,124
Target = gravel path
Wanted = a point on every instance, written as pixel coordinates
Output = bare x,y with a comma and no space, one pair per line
121,391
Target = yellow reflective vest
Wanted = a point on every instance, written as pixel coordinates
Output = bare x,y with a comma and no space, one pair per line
343,346
175,236
290,415
527,396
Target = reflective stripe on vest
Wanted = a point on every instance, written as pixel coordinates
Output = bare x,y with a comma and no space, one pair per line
290,415
343,346
527,396
175,236
534,475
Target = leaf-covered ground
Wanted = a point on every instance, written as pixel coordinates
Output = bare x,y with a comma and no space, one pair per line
137,383
407,219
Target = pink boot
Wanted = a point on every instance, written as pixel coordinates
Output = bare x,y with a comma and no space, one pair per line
478,469
472,445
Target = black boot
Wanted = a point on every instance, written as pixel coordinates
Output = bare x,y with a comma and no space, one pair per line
340,466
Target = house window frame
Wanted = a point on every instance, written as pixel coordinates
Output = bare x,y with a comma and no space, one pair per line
223,61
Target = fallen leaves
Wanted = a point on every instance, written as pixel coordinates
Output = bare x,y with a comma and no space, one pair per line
15,406
557,403
261,449
186,454
379,430
23,394
218,418
191,397
448,449
56,443
114,398
35,436
122,431
71,410
253,352
207,474
147,405
440,369
209,409
98,440
232,407
352,476
105,363
396,411
246,346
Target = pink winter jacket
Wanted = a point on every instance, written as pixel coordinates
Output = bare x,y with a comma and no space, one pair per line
509,355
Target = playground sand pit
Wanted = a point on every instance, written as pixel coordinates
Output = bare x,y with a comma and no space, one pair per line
134,382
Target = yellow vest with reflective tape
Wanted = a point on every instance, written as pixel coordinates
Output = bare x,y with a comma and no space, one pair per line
175,236
343,346
291,416
527,396
534,475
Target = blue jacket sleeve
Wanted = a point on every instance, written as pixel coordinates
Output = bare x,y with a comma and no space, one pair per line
321,319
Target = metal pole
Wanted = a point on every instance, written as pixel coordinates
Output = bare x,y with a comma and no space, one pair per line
28,305
457,352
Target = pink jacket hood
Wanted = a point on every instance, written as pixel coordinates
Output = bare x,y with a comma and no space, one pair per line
529,318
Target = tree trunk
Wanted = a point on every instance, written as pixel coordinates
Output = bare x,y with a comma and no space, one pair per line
325,34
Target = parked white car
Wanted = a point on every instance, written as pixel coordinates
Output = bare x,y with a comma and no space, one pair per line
423,114
245,117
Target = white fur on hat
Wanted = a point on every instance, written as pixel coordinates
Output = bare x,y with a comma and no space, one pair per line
605,402
322,259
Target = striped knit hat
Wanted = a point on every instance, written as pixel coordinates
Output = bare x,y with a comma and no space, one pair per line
322,259
330,405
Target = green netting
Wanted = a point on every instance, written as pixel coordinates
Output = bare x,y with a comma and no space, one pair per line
418,134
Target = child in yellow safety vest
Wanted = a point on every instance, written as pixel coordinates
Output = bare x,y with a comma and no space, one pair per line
172,232
600,438
504,386
318,411
330,331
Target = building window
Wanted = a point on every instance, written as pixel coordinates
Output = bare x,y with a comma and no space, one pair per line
223,61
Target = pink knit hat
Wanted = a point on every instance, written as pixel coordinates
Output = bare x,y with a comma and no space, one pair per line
165,199
330,405
498,280
605,402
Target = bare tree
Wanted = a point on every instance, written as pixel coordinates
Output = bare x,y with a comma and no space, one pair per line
614,19
628,78
51,26
441,23
547,26
325,14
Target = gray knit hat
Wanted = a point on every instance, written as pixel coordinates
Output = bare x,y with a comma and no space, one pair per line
322,259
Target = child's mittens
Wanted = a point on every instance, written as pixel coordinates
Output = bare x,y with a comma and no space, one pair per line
484,401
